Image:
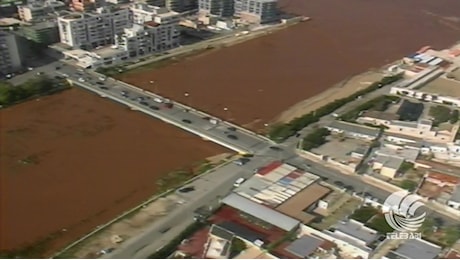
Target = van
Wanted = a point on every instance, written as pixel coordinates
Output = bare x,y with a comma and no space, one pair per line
239,182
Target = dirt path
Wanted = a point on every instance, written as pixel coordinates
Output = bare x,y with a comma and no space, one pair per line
341,90
73,161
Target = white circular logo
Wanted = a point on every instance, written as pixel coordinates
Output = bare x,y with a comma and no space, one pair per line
401,207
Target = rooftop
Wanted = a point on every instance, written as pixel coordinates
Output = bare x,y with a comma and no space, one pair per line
380,115
418,249
444,178
405,153
389,161
106,52
275,183
354,128
304,246
221,232
297,205
357,230
262,212
452,254
240,231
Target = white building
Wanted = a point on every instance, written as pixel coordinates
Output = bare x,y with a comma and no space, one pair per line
143,13
10,58
354,130
425,96
91,30
39,9
221,8
257,11
422,129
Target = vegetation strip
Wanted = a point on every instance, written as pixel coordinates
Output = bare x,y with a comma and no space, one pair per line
281,132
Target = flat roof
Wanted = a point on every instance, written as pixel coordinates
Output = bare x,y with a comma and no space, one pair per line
354,128
107,51
295,206
406,153
357,230
304,246
380,115
389,161
418,249
262,212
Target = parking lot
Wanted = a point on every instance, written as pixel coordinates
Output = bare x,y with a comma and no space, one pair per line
340,149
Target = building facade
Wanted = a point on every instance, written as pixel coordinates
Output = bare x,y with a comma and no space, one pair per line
149,38
37,10
181,5
221,8
86,5
10,58
91,30
257,11
43,33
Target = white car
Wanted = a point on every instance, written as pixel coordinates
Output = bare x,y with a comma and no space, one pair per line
239,182
81,79
102,78
158,100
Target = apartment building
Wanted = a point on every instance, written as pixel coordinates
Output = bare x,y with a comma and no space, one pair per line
90,30
181,5
257,11
10,58
221,8
86,5
40,9
143,13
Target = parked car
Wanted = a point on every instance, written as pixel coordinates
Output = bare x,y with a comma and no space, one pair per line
186,189
241,161
187,121
239,181
233,137
154,108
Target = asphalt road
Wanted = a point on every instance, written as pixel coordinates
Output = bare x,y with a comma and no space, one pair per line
218,183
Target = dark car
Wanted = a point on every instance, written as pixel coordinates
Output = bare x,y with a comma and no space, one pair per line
349,188
234,137
103,87
154,108
144,103
231,128
99,83
186,121
186,189
168,105
339,184
58,68
276,148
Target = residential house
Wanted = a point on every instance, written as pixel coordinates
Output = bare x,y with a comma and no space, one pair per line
441,179
218,244
307,245
354,130
387,166
377,118
422,129
356,234
415,249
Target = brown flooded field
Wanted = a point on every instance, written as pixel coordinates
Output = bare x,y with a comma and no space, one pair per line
259,79
74,161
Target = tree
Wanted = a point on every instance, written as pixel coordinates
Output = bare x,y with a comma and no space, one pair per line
237,246
454,116
452,234
409,185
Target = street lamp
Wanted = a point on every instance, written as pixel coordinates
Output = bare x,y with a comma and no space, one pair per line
154,86
227,113
187,97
